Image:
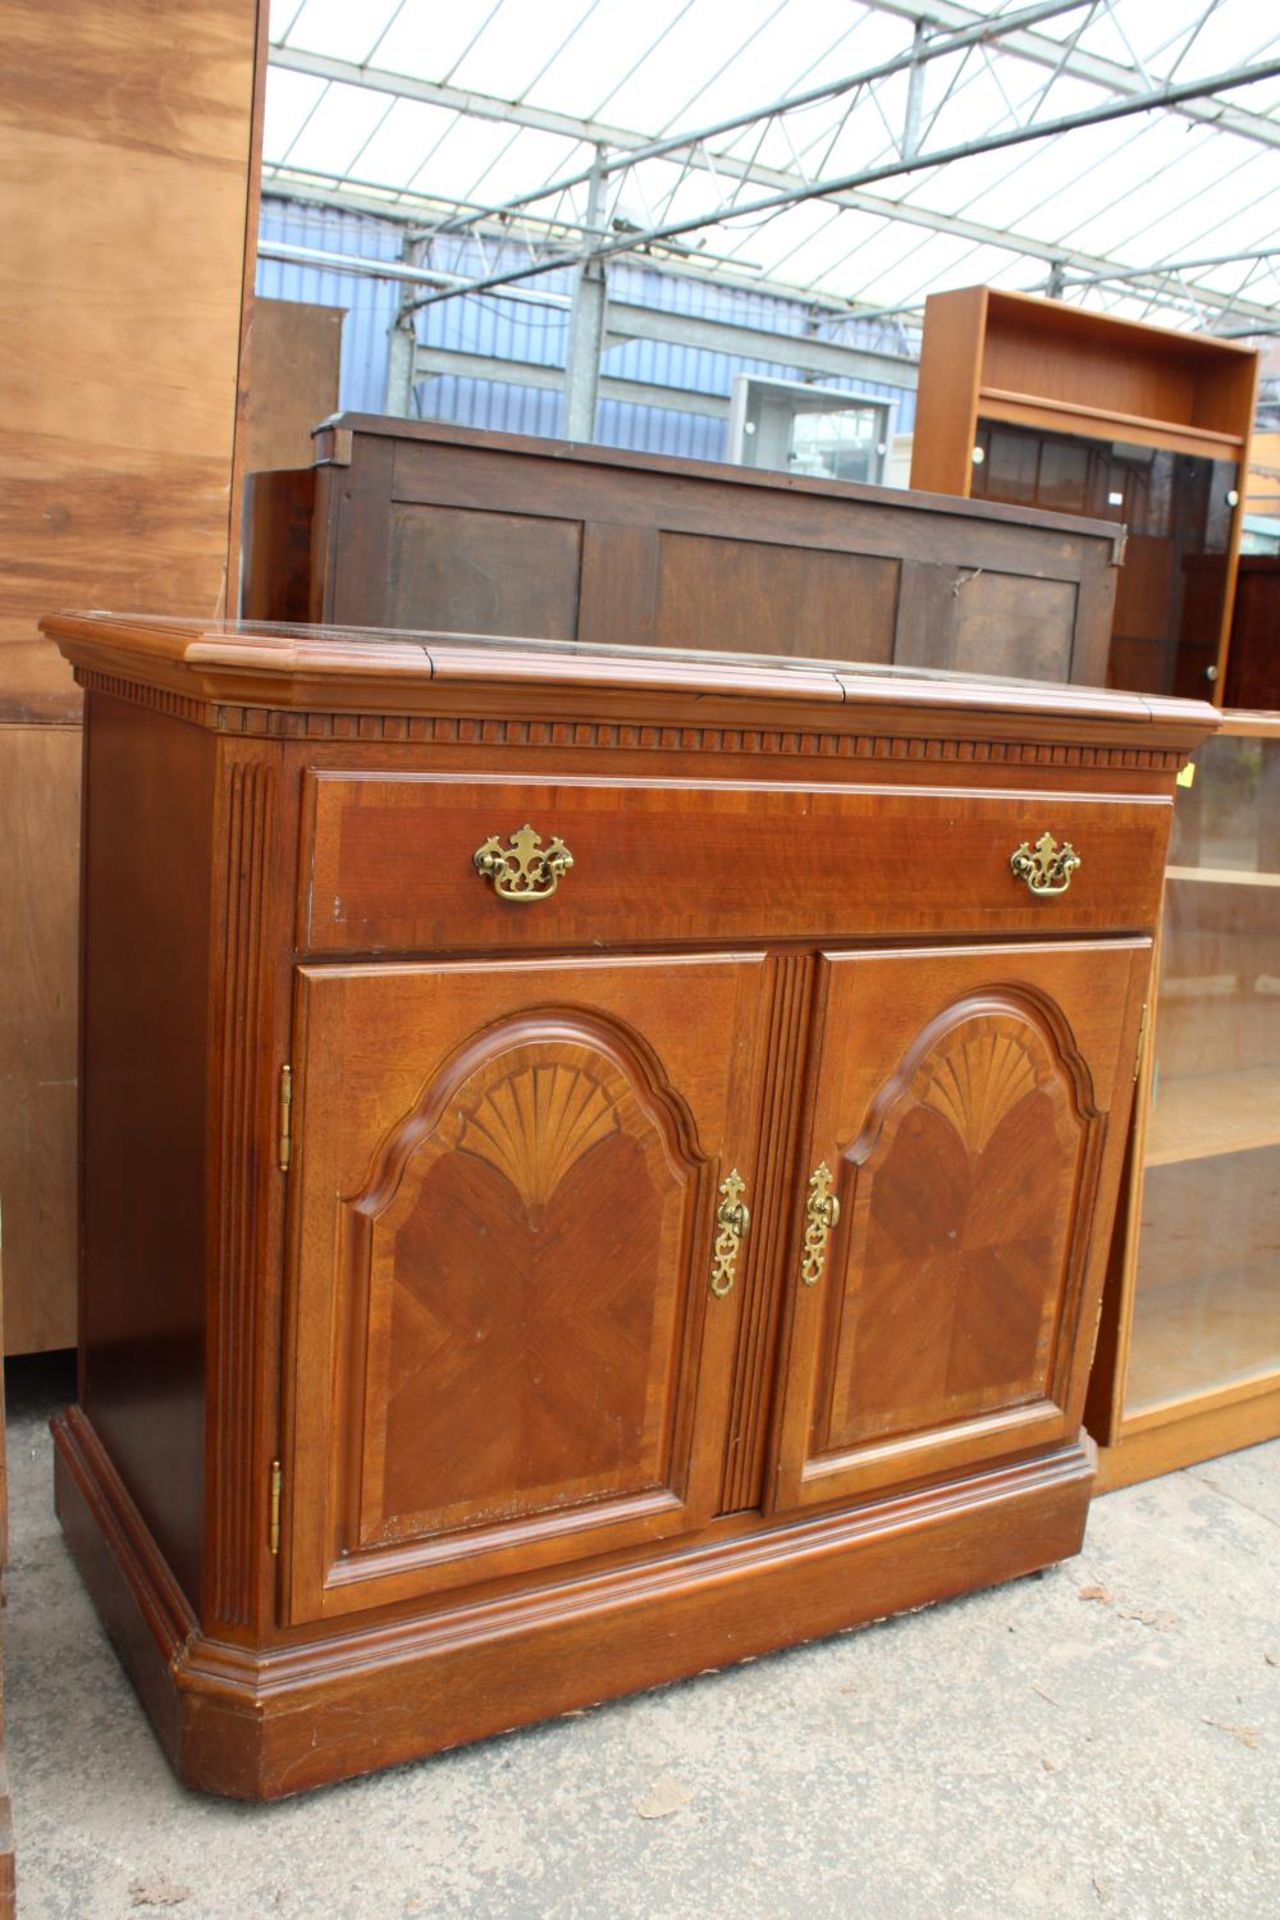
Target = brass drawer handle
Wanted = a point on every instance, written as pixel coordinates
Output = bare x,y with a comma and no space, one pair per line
524,869
734,1222
821,1214
1048,869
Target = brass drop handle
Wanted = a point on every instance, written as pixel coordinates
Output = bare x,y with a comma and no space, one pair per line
1048,869
524,869
733,1221
821,1214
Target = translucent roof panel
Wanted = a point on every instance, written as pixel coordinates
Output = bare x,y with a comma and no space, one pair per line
867,152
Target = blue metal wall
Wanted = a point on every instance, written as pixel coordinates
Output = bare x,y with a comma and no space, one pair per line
505,329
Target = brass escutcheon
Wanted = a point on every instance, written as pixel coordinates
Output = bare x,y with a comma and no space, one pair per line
821,1214
1048,869
524,869
733,1220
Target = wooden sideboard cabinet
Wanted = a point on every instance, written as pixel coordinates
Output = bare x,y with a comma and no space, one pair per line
596,1164
410,523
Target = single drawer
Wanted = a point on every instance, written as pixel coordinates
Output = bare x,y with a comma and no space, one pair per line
390,862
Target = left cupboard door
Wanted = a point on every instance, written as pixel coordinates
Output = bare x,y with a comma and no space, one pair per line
505,1350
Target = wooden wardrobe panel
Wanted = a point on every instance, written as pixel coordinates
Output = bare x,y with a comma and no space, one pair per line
470,572
467,531
837,606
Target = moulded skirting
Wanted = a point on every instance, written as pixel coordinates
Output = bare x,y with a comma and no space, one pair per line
260,1725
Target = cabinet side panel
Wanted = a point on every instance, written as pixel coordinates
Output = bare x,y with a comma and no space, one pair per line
947,395
145,997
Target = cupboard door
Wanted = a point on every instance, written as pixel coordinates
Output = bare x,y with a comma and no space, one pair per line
969,1107
506,1349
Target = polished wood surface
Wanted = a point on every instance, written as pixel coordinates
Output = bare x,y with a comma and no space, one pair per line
963,1099
412,524
513,1278
128,204
727,862
469,1244
145,1100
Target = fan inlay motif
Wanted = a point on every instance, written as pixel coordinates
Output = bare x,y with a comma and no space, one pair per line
537,1123
976,1085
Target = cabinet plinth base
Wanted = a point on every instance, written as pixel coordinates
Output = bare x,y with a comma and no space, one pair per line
261,1723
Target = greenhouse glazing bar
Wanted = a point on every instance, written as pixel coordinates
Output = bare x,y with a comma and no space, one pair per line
1017,136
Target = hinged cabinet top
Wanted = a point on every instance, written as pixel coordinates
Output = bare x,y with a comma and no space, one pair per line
328,670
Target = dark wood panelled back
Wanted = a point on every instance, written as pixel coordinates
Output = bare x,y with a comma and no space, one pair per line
406,524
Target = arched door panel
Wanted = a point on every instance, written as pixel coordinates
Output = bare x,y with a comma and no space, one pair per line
505,1215
969,1106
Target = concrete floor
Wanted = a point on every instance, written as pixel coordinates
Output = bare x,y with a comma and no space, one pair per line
1102,1741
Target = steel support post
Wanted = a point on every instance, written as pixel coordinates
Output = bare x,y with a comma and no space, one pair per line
402,345
402,341
586,323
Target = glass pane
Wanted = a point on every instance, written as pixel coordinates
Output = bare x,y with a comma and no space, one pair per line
842,444
1177,509
1207,1307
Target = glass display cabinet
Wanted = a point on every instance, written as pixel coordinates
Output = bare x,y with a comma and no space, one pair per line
1188,1361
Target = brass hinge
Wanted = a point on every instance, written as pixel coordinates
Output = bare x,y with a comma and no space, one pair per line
1142,1041
273,1530
285,1142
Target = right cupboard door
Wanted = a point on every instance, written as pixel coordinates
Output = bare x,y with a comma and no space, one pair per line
968,1111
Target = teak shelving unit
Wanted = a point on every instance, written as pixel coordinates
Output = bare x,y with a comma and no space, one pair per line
1189,1356
1036,403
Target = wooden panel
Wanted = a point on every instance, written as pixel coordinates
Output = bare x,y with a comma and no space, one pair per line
960,1225
1109,366
1253,658
947,395
1022,627
1144,589
963,1102
773,599
464,572
145,1050
619,597
39,879
720,860
293,381
125,182
117,453
504,1230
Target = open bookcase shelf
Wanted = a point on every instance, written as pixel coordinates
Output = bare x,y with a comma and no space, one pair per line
1213,1113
